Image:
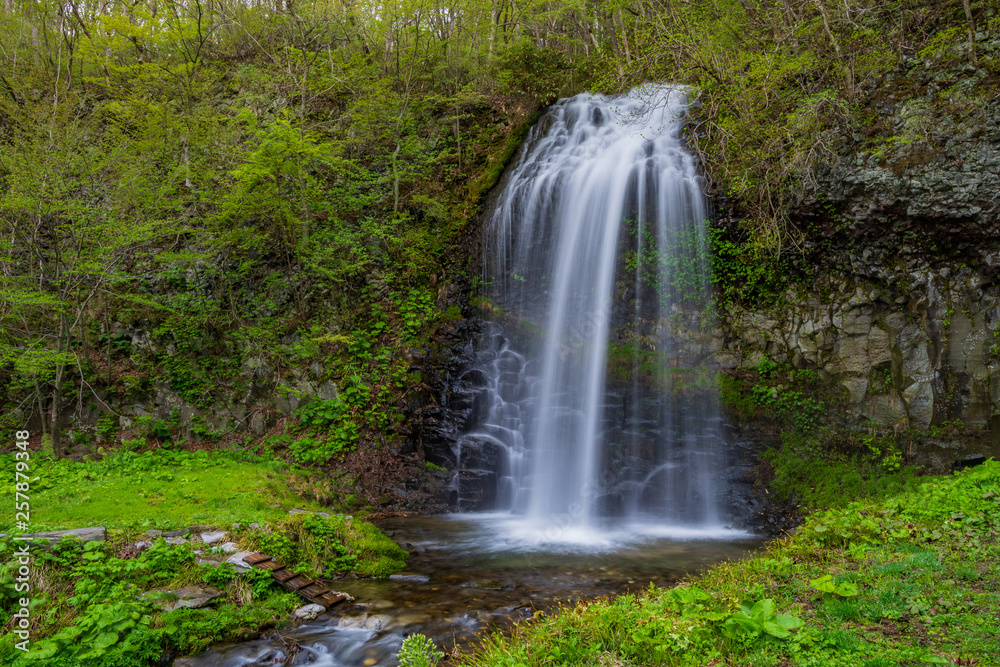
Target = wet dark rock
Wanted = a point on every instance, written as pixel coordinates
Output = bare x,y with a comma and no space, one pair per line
475,378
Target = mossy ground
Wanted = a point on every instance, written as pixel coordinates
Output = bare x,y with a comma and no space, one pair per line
914,580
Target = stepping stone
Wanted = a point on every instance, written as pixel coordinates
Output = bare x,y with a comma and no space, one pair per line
295,511
213,537
175,540
228,548
236,560
190,597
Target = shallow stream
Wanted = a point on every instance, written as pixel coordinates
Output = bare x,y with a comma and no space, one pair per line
471,573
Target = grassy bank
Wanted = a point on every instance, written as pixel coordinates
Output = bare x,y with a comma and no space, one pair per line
106,603
907,580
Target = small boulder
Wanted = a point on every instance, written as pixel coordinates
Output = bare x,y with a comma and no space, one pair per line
228,548
309,612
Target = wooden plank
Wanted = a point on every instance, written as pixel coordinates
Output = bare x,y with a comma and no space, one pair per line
283,575
331,598
269,565
255,558
313,590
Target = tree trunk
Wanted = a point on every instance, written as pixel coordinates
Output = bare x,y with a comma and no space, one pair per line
826,27
54,412
972,31
41,408
57,389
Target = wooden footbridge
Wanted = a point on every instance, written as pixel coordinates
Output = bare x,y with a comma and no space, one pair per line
311,589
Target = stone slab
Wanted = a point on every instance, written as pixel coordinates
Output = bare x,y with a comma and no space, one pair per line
92,534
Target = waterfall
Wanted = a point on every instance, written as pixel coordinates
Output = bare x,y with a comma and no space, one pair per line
597,269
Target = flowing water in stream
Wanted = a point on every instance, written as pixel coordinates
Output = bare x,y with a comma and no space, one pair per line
468,574
607,432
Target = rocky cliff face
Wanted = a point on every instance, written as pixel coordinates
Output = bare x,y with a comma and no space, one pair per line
902,252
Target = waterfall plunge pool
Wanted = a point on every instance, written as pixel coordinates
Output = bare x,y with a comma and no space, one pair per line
472,573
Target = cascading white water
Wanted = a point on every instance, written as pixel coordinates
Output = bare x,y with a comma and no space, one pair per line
596,252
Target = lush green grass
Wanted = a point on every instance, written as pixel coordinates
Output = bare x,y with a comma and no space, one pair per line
162,489
89,606
912,580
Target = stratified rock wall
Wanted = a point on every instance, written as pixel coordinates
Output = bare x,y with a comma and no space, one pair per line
916,347
902,243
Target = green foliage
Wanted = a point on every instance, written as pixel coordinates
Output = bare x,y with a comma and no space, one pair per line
219,576
820,470
830,590
320,414
677,267
524,68
106,619
260,582
415,310
742,272
418,651
917,554
218,189
804,408
276,545
804,412
750,623
105,633
342,544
